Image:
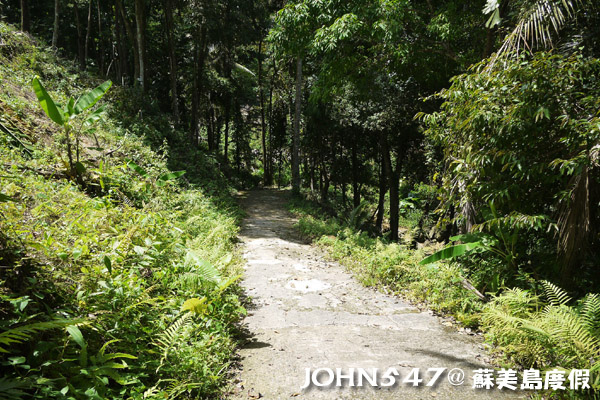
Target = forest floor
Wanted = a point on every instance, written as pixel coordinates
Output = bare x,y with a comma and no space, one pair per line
307,312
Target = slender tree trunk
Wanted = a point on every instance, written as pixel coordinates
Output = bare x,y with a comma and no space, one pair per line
227,117
25,20
199,57
100,40
393,182
89,30
355,187
140,24
263,127
210,128
382,192
80,44
270,146
325,184
489,42
296,137
121,54
56,22
168,4
132,40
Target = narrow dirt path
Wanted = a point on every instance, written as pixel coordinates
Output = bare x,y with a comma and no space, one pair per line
310,313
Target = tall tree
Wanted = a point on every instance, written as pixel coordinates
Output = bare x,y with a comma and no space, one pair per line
56,22
25,19
168,7
140,24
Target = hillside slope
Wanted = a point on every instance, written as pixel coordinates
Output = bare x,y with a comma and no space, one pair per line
122,285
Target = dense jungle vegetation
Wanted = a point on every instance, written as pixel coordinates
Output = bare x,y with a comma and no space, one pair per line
444,150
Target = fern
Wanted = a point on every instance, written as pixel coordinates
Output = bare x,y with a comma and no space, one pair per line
358,216
558,334
10,389
590,311
167,339
555,295
24,333
202,268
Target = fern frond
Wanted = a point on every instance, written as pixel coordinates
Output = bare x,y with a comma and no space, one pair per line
10,389
555,295
167,339
358,216
590,311
24,333
205,270
570,333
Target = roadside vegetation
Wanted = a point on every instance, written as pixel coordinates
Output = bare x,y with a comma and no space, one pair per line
118,276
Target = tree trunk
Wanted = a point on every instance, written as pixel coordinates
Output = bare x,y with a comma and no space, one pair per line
56,22
296,136
132,39
269,182
121,49
80,44
393,182
199,57
227,116
168,4
25,20
140,24
263,127
210,128
382,191
100,41
325,184
87,35
355,187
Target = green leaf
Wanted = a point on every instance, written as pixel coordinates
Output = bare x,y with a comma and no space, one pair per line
89,99
243,69
451,252
162,180
494,19
137,168
95,116
108,264
80,168
76,335
4,198
68,110
195,305
47,103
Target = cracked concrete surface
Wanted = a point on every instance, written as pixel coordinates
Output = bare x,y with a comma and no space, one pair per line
310,313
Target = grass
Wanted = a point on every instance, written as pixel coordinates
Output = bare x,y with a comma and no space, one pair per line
97,279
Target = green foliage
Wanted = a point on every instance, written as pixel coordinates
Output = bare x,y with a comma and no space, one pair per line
538,334
530,124
451,252
24,333
113,260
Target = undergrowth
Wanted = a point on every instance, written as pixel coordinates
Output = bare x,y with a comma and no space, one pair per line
110,288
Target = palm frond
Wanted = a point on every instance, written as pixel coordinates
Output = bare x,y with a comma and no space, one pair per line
536,27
